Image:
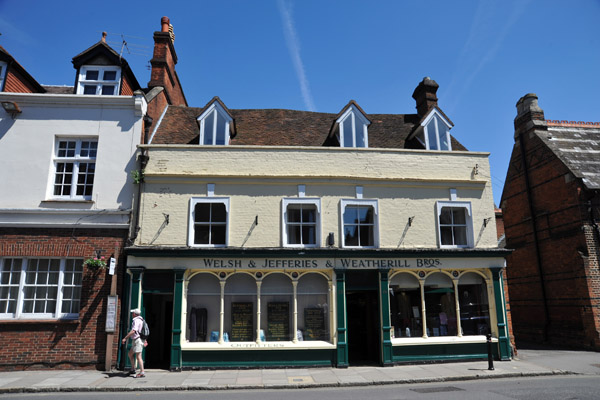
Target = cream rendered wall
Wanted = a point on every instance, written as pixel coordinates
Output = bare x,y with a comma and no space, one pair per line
407,183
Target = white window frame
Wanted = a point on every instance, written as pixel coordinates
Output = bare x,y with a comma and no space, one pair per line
437,117
99,83
360,202
466,205
357,119
57,314
76,160
3,67
213,111
300,201
191,229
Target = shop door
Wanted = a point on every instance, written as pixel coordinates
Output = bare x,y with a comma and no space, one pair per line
362,314
158,309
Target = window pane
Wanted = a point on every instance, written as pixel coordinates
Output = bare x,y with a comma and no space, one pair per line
440,306
218,212
365,215
221,134
366,235
347,127
218,234
293,234
294,213
446,215
432,135
446,235
110,75
443,137
108,90
360,135
309,214
202,212
460,235
351,235
91,75
350,215
458,215
208,128
89,89
309,235
201,234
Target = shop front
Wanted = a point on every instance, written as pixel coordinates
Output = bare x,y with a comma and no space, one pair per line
323,308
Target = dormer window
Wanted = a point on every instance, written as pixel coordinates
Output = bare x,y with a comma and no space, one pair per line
2,74
353,129
214,125
99,80
436,132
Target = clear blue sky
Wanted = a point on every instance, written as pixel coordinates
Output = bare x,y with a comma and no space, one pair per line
317,55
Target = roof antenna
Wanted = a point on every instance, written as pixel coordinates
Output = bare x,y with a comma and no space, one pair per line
123,46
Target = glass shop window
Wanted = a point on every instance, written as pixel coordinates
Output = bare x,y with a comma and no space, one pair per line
405,306
203,308
277,306
474,304
240,308
440,305
313,308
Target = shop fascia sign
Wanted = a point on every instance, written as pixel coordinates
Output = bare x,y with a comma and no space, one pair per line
342,263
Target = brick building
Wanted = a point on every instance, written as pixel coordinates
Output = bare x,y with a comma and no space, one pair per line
69,197
551,209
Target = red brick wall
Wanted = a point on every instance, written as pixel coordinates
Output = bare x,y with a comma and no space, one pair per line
163,69
559,215
126,89
15,83
81,343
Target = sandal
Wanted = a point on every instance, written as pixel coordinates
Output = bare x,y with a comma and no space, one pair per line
140,375
132,372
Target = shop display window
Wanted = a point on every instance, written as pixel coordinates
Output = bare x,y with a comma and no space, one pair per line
240,308
440,305
203,307
276,303
405,306
474,305
313,308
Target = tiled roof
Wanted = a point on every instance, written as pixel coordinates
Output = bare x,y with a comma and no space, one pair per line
58,89
578,147
275,127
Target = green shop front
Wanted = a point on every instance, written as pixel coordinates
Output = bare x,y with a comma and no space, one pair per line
260,308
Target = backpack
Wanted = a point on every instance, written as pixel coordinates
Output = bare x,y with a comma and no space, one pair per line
145,331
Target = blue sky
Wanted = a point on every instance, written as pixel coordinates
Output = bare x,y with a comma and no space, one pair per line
318,55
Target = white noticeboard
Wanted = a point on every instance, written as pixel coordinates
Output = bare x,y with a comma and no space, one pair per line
112,266
111,314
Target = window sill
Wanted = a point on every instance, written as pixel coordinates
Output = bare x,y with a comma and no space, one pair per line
39,321
413,341
232,346
68,201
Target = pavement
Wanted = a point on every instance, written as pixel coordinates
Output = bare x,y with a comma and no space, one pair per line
531,362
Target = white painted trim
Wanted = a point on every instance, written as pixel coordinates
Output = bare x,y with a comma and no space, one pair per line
158,124
354,113
469,222
220,110
302,200
360,202
193,202
81,81
210,189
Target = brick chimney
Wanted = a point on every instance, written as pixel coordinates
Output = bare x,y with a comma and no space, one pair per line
425,96
163,65
529,115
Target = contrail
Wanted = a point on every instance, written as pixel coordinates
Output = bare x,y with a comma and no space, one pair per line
293,45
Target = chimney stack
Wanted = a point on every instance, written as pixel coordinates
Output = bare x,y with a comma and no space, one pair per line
425,95
529,115
163,63
104,37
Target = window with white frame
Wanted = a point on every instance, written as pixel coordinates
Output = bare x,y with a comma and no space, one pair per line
436,132
74,168
208,221
2,74
301,222
214,125
353,129
359,223
99,80
455,227
40,288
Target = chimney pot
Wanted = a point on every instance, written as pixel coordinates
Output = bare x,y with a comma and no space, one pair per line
164,23
104,37
425,95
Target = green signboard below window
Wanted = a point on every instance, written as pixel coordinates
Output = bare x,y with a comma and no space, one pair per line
314,324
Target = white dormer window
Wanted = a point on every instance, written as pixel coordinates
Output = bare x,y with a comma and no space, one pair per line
99,80
436,132
214,126
353,129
